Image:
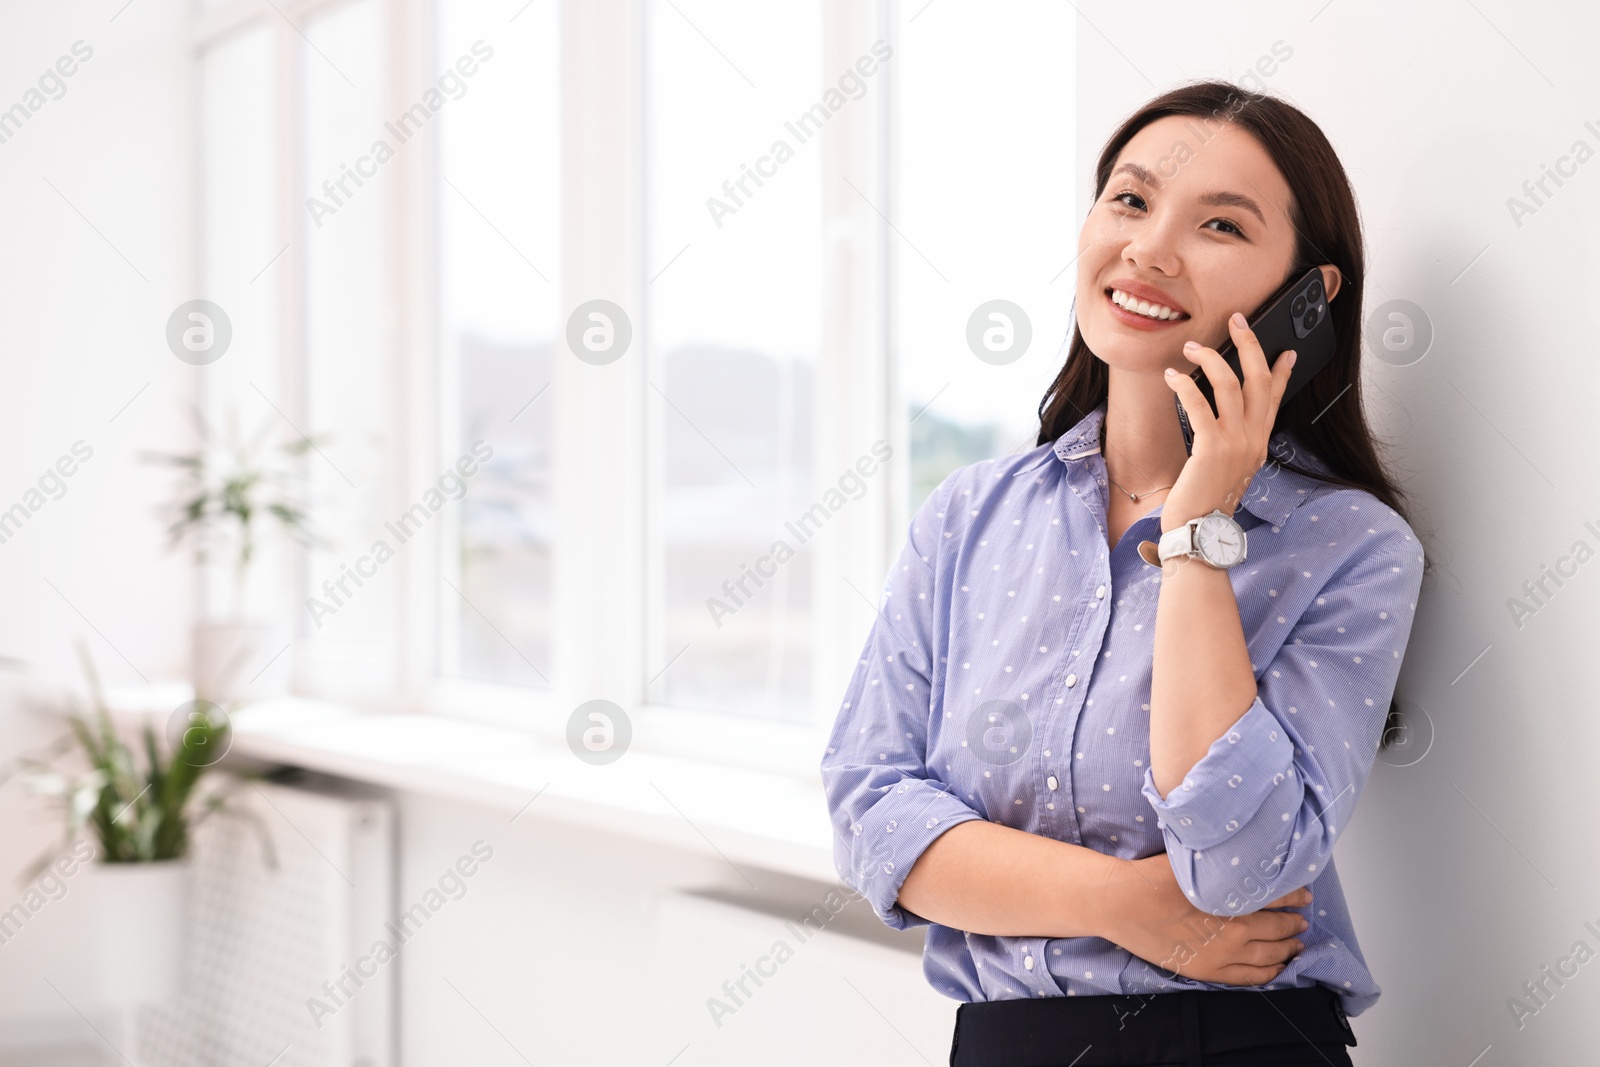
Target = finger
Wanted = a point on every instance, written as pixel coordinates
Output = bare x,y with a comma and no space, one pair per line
1194,403
1252,359
1281,370
1224,383
1274,925
1266,953
1297,898
1259,406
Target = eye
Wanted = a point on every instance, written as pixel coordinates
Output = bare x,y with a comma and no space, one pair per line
1138,204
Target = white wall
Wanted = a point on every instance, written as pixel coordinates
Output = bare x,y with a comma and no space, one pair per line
609,963
1473,868
81,334
84,333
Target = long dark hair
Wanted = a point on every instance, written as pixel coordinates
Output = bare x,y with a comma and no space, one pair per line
1327,415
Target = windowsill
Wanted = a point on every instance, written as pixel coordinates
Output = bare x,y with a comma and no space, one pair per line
738,741
758,817
688,780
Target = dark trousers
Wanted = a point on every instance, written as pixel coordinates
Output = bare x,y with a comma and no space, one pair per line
1185,1028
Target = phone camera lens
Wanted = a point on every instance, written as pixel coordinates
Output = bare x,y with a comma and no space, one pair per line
1298,307
1316,289
1311,318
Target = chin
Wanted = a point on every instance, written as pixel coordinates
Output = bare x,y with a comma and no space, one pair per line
1139,354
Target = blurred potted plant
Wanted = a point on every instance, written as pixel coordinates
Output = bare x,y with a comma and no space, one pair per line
226,494
139,815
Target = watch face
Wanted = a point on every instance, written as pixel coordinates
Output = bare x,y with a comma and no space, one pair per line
1220,540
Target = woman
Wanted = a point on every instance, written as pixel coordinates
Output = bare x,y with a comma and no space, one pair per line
1109,783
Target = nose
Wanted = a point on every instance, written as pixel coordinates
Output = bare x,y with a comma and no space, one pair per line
1152,247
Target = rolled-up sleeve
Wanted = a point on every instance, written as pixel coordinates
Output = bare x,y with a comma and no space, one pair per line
1257,816
885,806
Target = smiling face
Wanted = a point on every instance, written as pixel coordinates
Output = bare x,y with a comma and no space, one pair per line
1199,227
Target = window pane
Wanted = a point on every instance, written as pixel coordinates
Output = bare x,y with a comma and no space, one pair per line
985,191
734,321
351,368
241,267
499,197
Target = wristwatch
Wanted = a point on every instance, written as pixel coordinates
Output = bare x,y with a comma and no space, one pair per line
1214,539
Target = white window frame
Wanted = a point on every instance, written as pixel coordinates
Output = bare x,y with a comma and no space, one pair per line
605,422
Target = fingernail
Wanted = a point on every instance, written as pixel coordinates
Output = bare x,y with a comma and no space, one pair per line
1190,345
1238,320
1170,372
1291,356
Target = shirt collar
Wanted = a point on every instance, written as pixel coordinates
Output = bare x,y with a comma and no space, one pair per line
1274,492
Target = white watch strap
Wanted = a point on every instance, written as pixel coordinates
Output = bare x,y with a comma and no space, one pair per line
1178,541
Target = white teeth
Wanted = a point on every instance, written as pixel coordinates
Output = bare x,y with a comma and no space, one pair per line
1143,307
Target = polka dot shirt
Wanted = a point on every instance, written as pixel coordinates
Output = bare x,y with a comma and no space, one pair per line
1007,677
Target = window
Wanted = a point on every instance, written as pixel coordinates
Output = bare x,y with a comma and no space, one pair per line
499,282
985,197
799,209
349,365
240,242
734,292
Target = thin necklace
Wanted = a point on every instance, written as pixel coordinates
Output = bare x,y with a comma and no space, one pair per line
1134,497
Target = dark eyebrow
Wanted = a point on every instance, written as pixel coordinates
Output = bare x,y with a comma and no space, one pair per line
1220,199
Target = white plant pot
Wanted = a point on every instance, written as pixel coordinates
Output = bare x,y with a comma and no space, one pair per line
136,919
227,656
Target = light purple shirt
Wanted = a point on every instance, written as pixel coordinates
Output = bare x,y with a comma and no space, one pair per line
1007,677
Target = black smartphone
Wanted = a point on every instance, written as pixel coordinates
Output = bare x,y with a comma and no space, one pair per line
1296,317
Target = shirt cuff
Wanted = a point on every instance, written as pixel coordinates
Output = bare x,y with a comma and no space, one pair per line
886,841
1226,788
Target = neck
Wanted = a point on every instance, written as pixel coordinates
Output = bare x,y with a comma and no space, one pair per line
1143,443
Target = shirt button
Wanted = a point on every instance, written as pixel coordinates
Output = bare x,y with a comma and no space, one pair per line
1072,680
1051,781
1027,961
1100,593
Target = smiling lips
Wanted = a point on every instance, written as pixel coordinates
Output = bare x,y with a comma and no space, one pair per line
1144,307
1142,313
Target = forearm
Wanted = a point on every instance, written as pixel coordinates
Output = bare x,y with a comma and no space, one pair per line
1201,678
986,878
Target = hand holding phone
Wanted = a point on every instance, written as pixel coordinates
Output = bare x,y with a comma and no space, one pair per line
1296,317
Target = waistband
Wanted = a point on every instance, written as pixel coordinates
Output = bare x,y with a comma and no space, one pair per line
1167,1027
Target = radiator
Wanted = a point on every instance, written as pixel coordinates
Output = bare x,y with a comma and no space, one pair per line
279,967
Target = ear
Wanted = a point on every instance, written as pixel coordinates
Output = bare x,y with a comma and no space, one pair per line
1331,278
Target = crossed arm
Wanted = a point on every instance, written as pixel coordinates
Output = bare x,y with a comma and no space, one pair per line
1272,776
992,879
